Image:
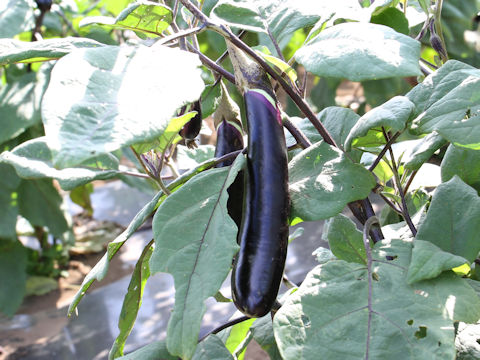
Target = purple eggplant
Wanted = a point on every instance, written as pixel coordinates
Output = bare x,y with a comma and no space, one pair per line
192,128
263,235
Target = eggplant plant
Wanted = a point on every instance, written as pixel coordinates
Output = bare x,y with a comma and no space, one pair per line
360,115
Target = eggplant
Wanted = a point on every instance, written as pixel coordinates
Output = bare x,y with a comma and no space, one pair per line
44,5
192,128
263,235
229,139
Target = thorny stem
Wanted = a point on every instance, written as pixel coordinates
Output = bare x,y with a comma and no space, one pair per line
366,229
224,326
398,184
383,152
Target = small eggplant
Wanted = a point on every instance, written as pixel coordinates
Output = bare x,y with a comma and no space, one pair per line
263,235
229,139
192,128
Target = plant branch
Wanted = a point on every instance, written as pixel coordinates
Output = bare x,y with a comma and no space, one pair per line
391,204
409,182
275,43
405,213
297,99
298,134
384,150
224,326
181,34
366,230
212,65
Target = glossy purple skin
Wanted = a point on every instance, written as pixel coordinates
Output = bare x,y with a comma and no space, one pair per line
258,268
192,128
229,139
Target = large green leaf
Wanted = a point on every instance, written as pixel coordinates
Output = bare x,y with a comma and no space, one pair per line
379,91
452,219
13,51
448,101
422,150
20,103
9,182
145,16
190,252
13,275
465,163
99,271
279,17
41,204
132,301
337,120
323,181
16,16
33,160
345,240
262,331
428,261
212,348
393,115
154,351
116,96
370,312
379,52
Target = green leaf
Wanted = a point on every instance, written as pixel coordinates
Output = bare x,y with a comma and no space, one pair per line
100,269
279,66
423,150
281,18
41,204
9,182
262,331
346,242
14,51
13,276
116,96
145,16
334,313
393,18
237,335
189,158
452,222
81,196
16,16
428,261
323,180
20,103
337,120
40,285
210,99
212,348
167,138
33,160
379,52
132,301
190,253
447,101
154,351
393,115
465,163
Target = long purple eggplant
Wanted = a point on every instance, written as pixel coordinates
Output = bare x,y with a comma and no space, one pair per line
258,267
